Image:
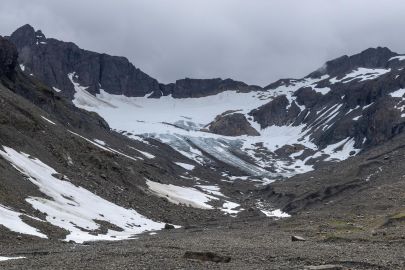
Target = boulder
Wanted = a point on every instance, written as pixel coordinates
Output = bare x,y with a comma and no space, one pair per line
207,256
168,226
234,124
296,238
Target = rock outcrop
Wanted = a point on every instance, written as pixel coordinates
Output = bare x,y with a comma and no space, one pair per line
195,88
277,112
232,124
8,58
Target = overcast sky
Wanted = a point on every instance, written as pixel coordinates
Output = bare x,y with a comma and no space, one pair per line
256,41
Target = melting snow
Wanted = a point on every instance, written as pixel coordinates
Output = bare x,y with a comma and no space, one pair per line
2,259
323,90
181,195
214,190
347,147
146,154
230,208
108,149
84,98
100,142
399,57
49,121
361,73
12,221
356,118
191,196
185,166
73,208
275,213
398,93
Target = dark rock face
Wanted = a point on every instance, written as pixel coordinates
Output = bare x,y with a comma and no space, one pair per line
281,82
52,60
307,96
8,58
234,124
381,122
204,87
276,112
370,58
358,109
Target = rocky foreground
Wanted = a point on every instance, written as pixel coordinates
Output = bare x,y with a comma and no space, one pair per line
358,223
334,243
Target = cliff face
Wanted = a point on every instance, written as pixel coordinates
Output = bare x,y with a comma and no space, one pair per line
8,58
195,88
51,61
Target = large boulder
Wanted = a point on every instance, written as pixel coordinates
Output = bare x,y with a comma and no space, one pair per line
233,124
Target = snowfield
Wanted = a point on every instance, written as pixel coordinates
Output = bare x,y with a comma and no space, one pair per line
192,197
72,208
12,221
180,123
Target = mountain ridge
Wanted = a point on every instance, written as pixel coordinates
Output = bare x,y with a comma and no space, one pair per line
34,48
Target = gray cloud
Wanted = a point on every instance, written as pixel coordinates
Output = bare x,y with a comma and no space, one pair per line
255,41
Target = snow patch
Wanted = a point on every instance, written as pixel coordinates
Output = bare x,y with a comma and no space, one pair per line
101,146
341,150
100,142
12,221
361,74
74,208
398,93
2,259
84,98
275,213
181,195
56,89
185,166
356,118
399,58
49,121
323,90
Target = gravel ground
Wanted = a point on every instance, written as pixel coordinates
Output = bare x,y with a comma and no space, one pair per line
257,244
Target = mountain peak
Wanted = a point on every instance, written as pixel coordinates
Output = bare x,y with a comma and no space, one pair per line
24,36
370,58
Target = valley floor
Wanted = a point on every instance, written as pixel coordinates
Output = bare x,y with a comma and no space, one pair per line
258,244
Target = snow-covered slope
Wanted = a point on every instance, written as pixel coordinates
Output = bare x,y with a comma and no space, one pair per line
182,124
72,208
